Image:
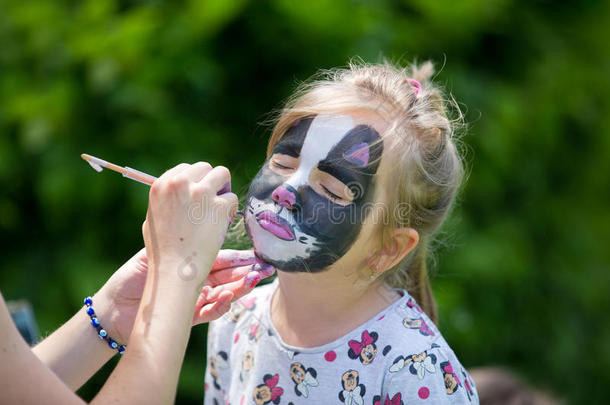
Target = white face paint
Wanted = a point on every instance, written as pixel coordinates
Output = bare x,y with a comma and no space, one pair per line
269,245
324,133
287,221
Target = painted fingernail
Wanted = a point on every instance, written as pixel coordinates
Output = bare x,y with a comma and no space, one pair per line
265,269
253,279
226,188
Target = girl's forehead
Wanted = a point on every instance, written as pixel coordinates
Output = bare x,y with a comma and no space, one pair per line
313,138
325,131
335,144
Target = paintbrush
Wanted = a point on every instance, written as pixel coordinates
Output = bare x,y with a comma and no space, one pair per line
133,174
99,164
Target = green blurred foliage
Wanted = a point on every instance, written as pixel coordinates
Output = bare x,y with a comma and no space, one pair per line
522,273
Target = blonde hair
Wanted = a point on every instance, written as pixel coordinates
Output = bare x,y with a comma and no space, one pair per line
419,149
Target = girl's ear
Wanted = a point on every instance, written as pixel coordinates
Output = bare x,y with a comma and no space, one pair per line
403,241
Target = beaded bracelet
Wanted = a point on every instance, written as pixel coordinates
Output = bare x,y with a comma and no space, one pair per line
101,332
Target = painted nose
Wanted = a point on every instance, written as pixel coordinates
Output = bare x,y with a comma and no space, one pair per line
284,196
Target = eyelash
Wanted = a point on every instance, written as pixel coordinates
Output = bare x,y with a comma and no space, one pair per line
331,195
280,166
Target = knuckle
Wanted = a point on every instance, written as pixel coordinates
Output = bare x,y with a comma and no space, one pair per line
223,171
176,182
203,189
229,203
156,187
203,165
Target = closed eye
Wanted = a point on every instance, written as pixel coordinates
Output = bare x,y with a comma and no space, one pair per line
330,187
330,194
283,164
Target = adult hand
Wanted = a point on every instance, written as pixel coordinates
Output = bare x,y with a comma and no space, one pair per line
234,274
186,223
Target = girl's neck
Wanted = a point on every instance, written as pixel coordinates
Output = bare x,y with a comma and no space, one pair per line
312,309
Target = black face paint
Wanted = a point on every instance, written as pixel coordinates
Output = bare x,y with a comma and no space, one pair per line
293,226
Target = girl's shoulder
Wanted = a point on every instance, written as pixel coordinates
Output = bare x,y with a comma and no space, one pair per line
405,327
417,357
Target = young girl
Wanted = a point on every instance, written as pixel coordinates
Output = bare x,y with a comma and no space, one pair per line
361,170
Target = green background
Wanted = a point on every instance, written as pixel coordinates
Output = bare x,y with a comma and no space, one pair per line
522,270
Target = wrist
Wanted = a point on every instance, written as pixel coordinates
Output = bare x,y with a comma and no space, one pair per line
106,312
188,272
101,331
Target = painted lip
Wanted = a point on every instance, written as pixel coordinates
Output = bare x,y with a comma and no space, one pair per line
276,225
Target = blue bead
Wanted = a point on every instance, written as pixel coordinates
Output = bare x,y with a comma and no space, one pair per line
90,311
88,301
95,322
113,344
122,349
102,333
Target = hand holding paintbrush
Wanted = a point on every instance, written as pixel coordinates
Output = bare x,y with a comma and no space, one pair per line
233,274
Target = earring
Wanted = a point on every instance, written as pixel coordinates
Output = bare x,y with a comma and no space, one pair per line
373,265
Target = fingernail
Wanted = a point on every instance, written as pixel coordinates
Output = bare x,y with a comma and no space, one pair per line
265,269
226,188
253,279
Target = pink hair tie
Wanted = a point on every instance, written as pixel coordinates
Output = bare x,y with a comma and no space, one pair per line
415,85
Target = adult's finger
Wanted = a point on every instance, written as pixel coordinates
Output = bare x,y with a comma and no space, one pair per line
196,171
214,310
227,275
173,171
231,274
229,200
234,258
241,286
217,179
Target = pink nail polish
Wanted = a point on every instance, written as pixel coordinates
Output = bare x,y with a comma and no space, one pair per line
264,269
253,279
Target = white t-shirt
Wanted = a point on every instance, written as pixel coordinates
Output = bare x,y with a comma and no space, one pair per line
397,357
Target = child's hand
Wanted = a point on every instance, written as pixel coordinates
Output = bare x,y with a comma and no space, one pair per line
186,222
234,274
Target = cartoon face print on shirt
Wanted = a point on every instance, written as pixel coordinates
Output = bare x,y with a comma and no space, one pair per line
269,391
418,364
419,324
236,312
365,350
305,207
254,332
303,379
239,308
452,381
216,363
352,392
247,362
395,400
